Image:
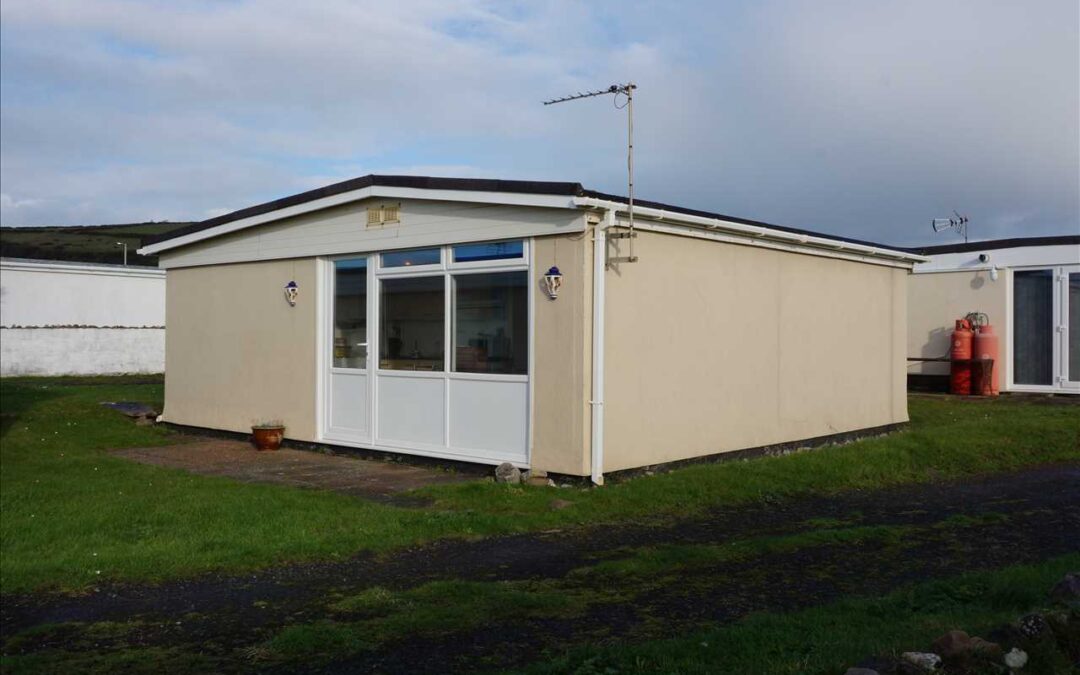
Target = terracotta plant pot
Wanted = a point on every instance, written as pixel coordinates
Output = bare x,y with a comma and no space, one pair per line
267,438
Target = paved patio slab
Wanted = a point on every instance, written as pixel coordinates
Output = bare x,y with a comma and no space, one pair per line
369,479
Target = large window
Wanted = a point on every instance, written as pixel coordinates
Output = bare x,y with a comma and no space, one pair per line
481,289
350,313
411,323
491,323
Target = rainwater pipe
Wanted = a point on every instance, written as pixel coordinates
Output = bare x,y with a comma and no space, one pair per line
596,402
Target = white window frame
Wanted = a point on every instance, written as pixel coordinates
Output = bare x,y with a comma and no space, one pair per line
331,286
1061,384
448,269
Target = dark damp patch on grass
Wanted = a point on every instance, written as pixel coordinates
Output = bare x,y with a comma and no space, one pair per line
379,616
674,558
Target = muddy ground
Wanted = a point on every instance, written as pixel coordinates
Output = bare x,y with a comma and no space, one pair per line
945,529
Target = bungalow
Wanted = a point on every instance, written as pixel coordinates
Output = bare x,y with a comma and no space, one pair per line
1029,290
500,321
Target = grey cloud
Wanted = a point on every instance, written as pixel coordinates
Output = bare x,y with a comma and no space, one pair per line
865,119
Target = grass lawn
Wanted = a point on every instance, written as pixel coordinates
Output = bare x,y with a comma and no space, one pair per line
72,515
830,638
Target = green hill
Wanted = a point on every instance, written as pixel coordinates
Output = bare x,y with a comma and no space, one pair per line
86,243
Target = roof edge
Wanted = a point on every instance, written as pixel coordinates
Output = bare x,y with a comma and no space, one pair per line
376,180
995,244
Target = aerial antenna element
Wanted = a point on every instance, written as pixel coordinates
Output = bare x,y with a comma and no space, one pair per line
956,222
616,90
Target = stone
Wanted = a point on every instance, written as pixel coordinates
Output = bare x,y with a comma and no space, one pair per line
926,661
507,473
1033,625
538,479
1016,658
559,504
1068,589
957,645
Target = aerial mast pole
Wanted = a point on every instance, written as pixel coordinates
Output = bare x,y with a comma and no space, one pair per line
628,91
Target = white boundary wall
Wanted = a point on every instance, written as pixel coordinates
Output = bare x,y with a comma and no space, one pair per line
60,318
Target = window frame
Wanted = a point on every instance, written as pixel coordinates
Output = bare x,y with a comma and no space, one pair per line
332,309
448,269
410,270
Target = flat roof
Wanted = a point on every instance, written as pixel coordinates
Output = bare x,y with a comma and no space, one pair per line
550,188
994,244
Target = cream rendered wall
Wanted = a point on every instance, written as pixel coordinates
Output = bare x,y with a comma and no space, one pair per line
562,357
236,352
937,300
713,347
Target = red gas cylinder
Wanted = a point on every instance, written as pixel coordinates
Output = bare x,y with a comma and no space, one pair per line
960,373
985,346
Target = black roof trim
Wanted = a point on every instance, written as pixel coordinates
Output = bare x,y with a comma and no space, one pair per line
481,185
992,244
742,221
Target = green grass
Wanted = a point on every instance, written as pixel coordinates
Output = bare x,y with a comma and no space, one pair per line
830,638
74,516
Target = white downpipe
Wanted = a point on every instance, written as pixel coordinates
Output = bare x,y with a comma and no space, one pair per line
597,400
753,231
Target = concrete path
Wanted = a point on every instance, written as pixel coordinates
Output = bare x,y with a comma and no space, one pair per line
370,479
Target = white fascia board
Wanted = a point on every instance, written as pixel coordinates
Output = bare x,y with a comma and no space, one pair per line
61,268
756,234
1019,256
374,191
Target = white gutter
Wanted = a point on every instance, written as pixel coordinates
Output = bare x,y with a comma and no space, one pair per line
755,232
597,400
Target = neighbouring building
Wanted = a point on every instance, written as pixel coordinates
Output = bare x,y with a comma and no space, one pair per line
1030,291
70,318
419,315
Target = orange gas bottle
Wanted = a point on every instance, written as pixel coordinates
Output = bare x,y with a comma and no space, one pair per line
985,346
960,373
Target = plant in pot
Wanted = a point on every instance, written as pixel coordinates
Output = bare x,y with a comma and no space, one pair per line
268,435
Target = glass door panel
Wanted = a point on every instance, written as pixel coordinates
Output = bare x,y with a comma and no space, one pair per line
1033,327
350,314
1072,345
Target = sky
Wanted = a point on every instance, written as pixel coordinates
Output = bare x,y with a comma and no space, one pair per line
861,118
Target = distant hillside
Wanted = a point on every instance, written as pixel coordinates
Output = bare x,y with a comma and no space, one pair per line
87,243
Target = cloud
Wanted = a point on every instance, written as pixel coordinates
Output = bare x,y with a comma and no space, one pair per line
863,119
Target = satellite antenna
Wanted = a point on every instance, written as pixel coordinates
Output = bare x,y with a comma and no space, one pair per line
626,90
956,222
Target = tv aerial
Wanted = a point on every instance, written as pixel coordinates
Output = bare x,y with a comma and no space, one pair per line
957,222
618,90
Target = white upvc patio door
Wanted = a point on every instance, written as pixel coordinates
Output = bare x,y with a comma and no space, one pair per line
1045,329
348,385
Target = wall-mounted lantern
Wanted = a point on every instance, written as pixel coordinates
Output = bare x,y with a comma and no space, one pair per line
553,282
291,291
